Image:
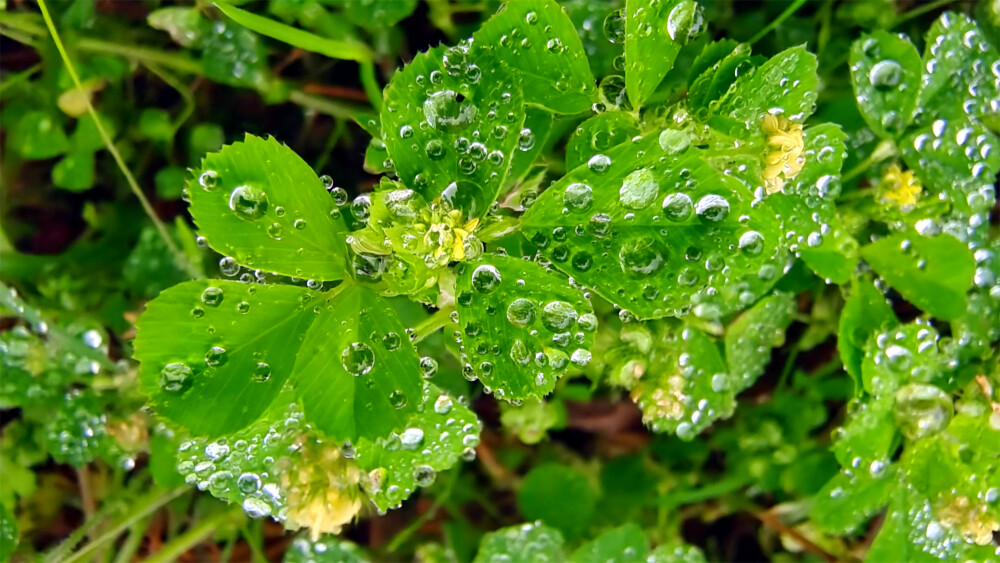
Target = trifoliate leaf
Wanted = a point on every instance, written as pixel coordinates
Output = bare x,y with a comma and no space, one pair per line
786,84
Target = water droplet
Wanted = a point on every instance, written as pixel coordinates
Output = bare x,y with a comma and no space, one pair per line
228,266
424,475
486,279
391,341
712,208
578,196
673,141
411,438
677,207
248,483
752,243
922,409
357,358
521,312
639,189
262,372
174,377
397,399
209,179
216,356
428,367
248,202
641,257
449,110
212,296
885,74
443,404
614,27
557,315
599,164
684,21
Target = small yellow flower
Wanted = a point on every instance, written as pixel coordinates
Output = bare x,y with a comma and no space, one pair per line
449,235
322,491
900,187
784,160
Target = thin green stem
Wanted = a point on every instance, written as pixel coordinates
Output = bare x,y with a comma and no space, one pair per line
404,535
717,489
20,37
919,11
185,93
109,145
141,508
132,542
369,81
324,105
431,324
339,128
791,9
254,540
19,77
195,535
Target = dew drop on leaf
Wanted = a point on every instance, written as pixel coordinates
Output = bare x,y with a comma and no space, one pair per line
209,179
428,367
638,190
885,74
411,438
578,196
174,377
212,296
486,279
357,358
558,315
677,207
599,163
262,372
712,208
521,312
922,409
248,202
216,356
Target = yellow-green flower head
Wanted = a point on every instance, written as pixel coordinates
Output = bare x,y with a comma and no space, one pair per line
784,159
900,187
323,491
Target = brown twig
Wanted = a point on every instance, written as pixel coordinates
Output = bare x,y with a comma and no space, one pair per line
335,91
772,521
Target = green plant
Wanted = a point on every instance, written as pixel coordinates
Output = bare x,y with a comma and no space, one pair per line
567,221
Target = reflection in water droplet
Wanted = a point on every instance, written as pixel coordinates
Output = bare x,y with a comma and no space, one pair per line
357,358
248,202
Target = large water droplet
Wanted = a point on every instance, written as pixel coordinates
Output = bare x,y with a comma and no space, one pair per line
641,257
885,74
521,312
357,358
677,206
922,409
248,202
447,109
684,21
578,197
212,296
558,315
486,279
712,208
639,189
174,377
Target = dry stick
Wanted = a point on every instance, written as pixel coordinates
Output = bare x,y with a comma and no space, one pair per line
181,259
773,522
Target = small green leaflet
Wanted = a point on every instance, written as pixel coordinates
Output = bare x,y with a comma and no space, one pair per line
751,337
715,81
523,542
522,326
451,125
786,83
885,71
624,544
357,371
657,233
865,312
932,273
436,436
559,496
202,343
961,77
684,386
540,44
260,203
206,345
645,23
851,498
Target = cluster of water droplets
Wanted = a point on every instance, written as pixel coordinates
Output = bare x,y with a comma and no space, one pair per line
549,334
531,541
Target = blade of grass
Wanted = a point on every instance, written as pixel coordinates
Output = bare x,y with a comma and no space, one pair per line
791,9
333,48
179,257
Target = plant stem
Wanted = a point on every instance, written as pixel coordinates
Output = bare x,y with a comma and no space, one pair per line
370,83
132,541
431,324
791,9
404,535
919,11
194,535
717,489
141,508
323,105
110,146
